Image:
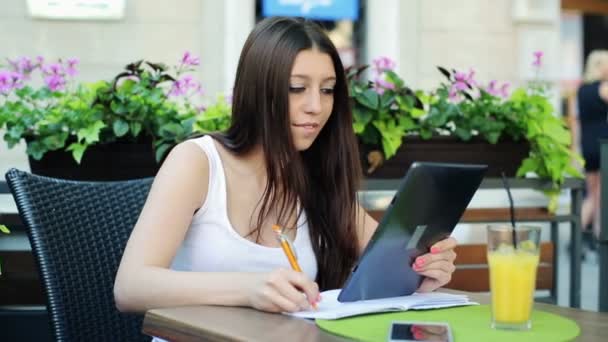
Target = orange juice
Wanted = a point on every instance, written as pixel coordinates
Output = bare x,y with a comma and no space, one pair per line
512,284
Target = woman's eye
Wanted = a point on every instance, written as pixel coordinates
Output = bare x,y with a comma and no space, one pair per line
296,89
327,91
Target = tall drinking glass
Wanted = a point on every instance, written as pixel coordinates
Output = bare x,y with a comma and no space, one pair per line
512,274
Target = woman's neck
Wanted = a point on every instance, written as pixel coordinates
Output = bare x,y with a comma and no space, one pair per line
253,163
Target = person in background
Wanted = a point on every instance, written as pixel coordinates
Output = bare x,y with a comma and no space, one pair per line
290,157
592,99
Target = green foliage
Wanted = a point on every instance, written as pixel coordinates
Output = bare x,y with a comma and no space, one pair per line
385,110
144,100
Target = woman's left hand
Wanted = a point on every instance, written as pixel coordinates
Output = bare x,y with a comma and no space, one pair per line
437,267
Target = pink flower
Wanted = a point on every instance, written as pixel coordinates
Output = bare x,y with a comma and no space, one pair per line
504,90
538,56
10,80
494,90
55,82
380,85
53,69
454,94
188,59
71,67
460,81
383,64
184,85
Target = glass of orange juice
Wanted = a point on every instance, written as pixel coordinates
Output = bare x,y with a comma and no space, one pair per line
512,274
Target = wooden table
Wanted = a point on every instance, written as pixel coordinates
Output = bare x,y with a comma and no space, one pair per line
216,323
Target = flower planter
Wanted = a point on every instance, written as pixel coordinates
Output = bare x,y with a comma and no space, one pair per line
104,162
506,155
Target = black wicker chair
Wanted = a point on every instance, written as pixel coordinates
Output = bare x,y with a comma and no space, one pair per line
78,231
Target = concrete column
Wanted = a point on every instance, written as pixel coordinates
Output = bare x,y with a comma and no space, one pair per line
225,26
239,21
537,25
383,33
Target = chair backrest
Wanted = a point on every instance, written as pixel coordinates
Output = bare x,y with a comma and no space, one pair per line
472,272
78,231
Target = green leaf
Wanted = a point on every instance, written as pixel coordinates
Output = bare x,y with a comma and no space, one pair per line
417,112
529,164
135,128
90,134
171,130
387,99
368,98
120,127
362,115
4,229
391,136
77,151
36,149
161,151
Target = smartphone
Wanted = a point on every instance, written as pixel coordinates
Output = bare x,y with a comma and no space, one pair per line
401,331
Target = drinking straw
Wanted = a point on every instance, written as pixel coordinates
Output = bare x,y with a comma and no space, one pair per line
506,184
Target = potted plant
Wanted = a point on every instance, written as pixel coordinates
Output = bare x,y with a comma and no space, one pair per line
103,130
392,120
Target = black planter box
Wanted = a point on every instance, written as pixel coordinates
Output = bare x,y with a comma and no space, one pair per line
104,162
505,155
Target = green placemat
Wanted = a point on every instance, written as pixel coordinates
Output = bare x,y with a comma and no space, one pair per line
468,323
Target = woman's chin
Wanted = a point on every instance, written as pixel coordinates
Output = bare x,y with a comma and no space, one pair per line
303,144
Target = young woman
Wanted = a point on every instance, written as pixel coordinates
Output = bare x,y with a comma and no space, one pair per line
290,158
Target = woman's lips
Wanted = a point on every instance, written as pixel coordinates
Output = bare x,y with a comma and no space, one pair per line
308,127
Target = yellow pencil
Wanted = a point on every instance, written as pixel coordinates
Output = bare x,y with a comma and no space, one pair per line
289,252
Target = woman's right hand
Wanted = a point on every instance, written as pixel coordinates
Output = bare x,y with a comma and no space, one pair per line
284,290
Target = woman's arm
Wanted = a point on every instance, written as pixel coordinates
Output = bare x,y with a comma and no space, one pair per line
144,279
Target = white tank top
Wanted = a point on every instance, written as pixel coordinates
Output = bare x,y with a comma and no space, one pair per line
212,245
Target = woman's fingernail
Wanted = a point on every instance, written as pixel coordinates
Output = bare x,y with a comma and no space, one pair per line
435,250
419,262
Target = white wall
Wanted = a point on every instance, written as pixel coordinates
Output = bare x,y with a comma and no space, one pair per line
496,38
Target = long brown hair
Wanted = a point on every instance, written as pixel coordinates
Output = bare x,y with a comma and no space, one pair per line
325,178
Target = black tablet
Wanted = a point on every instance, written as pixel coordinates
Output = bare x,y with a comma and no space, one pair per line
428,204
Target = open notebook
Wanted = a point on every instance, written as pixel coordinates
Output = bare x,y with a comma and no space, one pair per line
330,308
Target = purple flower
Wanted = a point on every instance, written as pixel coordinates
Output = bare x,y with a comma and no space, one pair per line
380,85
10,80
55,82
538,57
460,81
454,94
382,64
184,85
70,70
23,66
494,90
190,60
504,90
53,69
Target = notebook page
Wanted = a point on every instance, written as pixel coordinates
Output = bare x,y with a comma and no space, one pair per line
330,308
